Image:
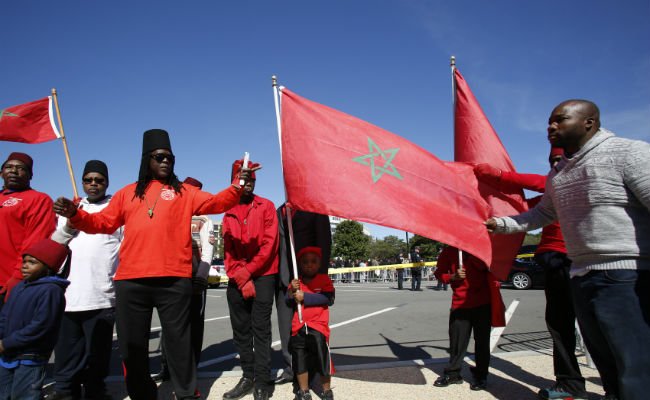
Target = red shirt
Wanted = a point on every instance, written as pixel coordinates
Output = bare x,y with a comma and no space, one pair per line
552,239
26,218
474,290
250,238
316,317
160,245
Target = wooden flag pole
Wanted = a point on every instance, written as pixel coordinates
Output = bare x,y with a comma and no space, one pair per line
65,144
274,84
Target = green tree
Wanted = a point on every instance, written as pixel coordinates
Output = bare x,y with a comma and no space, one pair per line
429,248
387,248
532,238
349,241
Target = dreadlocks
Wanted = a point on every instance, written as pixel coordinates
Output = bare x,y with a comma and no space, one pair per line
144,177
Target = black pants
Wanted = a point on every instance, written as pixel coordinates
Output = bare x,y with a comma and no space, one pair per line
251,328
400,278
83,351
135,301
461,323
560,320
285,316
416,279
197,323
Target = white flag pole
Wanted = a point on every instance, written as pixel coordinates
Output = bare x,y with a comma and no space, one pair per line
276,97
460,259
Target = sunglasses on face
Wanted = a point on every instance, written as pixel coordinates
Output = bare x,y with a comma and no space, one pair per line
160,157
98,181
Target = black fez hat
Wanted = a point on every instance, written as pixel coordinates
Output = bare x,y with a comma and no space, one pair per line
154,139
96,166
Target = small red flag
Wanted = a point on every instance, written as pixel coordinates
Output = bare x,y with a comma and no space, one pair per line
29,123
475,141
339,165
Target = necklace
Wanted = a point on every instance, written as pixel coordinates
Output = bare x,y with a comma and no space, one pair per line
150,209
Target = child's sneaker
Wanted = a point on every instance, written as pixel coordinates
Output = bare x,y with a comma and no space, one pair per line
327,395
303,395
557,391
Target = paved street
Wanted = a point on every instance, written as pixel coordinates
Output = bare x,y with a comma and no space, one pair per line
371,323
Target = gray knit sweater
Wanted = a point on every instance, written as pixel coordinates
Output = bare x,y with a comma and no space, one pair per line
601,196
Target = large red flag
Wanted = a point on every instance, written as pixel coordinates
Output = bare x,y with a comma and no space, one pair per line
339,165
28,123
475,141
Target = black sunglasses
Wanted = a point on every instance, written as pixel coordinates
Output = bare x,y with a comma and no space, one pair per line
98,181
160,157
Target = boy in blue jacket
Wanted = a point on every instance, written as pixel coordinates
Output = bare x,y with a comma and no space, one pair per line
30,320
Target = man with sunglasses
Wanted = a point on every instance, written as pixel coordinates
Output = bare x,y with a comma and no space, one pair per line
26,218
83,351
155,266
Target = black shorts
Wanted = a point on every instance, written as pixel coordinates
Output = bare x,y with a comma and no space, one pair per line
310,352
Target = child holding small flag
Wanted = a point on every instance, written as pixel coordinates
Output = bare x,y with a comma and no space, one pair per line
309,342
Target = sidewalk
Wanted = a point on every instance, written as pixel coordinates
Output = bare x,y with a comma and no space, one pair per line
516,375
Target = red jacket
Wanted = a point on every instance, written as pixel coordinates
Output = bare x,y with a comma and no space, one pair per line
160,245
552,239
317,316
474,290
250,238
26,218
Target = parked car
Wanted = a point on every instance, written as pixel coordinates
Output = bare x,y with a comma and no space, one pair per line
217,272
525,272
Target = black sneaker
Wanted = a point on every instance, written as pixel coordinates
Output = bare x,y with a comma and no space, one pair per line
447,380
162,376
557,391
260,394
478,384
302,395
241,389
327,395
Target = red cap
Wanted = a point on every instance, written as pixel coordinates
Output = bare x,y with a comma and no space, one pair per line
48,252
194,182
237,165
311,249
26,159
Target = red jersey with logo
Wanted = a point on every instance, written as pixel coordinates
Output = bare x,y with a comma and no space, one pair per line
26,218
160,245
474,290
316,317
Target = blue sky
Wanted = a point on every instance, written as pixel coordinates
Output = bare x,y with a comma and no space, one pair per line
201,70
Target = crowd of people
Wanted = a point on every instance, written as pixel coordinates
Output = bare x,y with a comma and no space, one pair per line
109,261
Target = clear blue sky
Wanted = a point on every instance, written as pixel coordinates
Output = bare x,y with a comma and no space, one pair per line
201,70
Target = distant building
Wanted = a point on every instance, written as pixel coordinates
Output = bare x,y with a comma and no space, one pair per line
335,221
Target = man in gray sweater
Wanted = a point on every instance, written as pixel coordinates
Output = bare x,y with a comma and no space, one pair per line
600,194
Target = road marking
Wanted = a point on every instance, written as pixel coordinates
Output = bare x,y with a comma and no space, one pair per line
362,290
495,335
277,342
216,297
157,328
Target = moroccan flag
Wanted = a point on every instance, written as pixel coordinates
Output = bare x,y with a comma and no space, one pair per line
475,141
339,165
29,123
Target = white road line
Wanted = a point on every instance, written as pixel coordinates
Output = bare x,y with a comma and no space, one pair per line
277,342
364,290
495,335
157,328
216,297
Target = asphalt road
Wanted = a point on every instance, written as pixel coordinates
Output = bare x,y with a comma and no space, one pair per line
371,323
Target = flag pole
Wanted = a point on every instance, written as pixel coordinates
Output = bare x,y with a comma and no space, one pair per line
274,84
452,64
65,144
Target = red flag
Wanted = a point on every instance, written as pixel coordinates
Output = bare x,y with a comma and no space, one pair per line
339,165
28,123
475,141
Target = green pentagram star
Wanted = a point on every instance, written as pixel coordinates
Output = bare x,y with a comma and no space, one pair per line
7,113
376,170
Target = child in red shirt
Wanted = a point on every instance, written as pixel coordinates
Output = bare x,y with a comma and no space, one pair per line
309,342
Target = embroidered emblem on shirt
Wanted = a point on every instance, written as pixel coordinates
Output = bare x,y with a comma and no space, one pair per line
167,194
12,201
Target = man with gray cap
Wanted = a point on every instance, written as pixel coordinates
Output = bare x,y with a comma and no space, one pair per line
155,266
26,218
83,351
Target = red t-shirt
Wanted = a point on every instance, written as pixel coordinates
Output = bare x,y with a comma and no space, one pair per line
316,317
160,245
250,238
474,290
26,218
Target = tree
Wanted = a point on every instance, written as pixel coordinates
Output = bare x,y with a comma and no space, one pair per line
532,238
429,248
349,241
387,248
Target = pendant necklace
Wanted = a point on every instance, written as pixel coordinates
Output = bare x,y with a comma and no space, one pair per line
150,209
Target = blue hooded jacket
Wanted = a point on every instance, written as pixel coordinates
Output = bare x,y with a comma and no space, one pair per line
31,317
